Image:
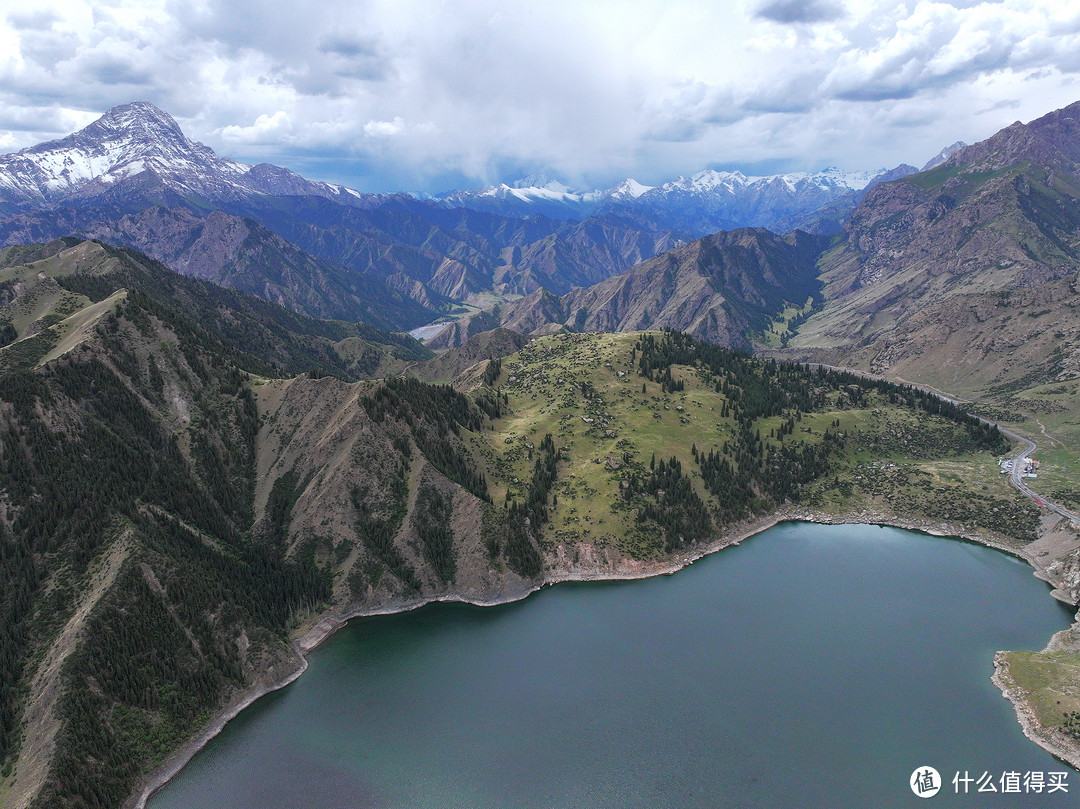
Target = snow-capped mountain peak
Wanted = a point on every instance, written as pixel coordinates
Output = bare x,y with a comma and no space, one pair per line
141,144
627,189
139,122
711,180
855,180
541,182
943,155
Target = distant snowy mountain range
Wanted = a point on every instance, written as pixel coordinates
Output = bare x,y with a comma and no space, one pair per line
132,178
702,203
540,187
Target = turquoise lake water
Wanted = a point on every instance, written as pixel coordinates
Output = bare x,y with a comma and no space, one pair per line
811,666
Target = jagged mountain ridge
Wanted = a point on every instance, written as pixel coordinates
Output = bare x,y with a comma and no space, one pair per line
943,155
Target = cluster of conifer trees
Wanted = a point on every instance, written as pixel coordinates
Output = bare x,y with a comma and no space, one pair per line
759,388
159,652
667,497
752,475
526,520
492,371
545,470
433,512
434,415
377,529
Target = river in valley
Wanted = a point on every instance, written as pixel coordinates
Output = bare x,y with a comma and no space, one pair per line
810,666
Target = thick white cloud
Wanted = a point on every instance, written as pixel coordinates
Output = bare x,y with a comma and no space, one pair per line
267,129
386,94
384,129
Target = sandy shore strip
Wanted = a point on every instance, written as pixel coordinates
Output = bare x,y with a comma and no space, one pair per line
1063,748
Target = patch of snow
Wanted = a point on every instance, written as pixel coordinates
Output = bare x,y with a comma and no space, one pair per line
628,189
943,155
428,331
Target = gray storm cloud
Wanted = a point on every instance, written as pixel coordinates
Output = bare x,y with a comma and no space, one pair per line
797,11
408,94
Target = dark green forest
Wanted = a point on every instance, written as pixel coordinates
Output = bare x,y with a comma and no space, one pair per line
90,461
109,470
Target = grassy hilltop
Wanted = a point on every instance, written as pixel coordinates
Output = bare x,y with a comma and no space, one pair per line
826,441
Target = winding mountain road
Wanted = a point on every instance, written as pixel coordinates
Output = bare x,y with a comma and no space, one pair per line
1016,475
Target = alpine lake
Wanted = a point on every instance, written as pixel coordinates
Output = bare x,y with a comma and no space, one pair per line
810,666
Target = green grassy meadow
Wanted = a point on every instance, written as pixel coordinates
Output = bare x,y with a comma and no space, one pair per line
608,423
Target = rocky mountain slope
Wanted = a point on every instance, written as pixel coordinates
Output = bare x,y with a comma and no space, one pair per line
46,287
464,365
459,253
964,275
236,252
129,404
720,288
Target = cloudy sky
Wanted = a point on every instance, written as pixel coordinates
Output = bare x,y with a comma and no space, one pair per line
421,95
